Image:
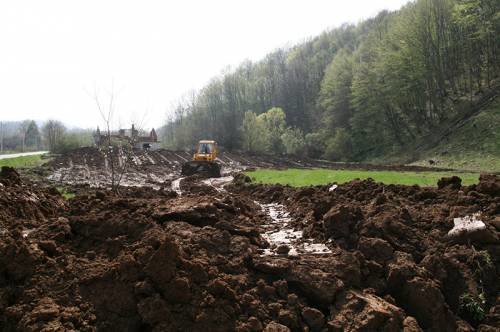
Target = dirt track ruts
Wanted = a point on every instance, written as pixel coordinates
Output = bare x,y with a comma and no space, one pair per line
89,166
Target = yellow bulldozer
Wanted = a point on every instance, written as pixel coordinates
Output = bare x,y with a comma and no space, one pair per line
203,162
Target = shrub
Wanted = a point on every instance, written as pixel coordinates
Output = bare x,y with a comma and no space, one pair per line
67,143
293,141
314,144
340,146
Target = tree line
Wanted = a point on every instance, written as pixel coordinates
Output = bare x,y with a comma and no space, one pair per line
27,135
354,92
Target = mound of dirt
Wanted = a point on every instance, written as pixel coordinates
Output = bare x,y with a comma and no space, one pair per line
453,182
489,185
143,261
399,235
25,205
9,176
146,260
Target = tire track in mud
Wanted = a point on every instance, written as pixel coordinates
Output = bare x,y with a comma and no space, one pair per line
283,239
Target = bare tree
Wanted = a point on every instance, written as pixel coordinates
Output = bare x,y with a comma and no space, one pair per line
119,155
107,117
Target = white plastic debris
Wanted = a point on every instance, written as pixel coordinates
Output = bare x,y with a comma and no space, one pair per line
467,224
332,188
25,233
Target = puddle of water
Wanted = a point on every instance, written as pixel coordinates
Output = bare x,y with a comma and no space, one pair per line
282,233
466,224
218,183
176,186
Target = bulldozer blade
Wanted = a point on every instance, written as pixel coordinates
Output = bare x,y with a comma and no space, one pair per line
203,168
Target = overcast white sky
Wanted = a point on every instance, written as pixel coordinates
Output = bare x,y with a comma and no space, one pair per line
53,54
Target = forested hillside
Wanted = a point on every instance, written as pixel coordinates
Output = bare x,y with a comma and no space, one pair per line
356,92
472,144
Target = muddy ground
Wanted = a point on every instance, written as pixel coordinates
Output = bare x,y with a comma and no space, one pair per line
90,166
228,255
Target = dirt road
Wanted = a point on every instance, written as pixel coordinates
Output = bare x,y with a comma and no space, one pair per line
15,155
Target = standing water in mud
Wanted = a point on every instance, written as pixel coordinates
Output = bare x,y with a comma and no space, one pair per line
282,237
279,233
176,186
218,183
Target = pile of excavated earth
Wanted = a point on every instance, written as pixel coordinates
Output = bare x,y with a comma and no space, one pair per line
229,255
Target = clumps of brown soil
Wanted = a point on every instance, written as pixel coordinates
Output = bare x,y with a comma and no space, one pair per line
488,184
241,178
9,176
407,260
145,260
25,205
364,311
192,186
453,182
24,209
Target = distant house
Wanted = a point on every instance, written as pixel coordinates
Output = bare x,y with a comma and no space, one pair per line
149,142
130,136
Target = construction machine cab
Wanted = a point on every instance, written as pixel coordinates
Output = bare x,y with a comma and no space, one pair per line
207,150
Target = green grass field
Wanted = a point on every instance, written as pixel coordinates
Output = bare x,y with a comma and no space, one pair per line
23,162
307,177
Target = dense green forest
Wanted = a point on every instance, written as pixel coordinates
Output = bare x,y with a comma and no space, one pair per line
354,92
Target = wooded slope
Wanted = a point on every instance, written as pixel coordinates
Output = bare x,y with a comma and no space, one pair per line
356,92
